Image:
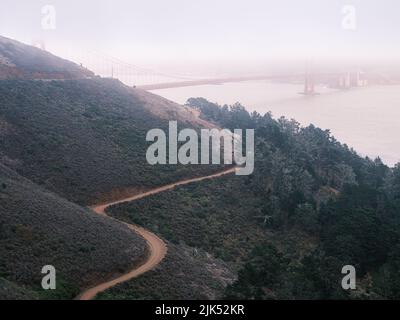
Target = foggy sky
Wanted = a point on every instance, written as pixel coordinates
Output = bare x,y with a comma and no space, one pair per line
210,30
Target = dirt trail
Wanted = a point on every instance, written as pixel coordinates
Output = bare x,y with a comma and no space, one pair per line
157,247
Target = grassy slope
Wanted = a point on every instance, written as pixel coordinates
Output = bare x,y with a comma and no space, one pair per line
185,273
203,215
11,291
207,216
39,228
210,216
83,138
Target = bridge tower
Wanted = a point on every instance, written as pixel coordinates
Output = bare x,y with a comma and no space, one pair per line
309,84
309,88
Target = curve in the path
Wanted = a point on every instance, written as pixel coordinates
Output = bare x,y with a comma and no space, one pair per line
157,247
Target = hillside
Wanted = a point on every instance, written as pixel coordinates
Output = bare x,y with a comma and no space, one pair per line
20,61
38,228
85,139
11,291
185,273
311,206
72,139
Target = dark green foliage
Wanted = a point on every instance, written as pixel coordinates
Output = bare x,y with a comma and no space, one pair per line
317,277
354,232
11,291
387,279
261,275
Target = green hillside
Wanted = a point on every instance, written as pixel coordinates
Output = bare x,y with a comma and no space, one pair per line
76,139
11,291
185,273
84,139
39,228
311,206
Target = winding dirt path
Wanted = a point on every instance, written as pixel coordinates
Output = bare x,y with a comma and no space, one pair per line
157,247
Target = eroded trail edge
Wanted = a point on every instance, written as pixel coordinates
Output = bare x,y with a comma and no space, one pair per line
156,247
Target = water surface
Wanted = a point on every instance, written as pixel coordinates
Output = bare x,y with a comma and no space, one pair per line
367,119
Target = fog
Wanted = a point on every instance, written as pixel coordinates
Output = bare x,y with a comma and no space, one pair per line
211,36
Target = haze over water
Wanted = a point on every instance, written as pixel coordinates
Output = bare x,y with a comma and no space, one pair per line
367,118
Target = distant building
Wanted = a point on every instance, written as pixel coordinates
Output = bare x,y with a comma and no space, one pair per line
361,79
352,79
345,81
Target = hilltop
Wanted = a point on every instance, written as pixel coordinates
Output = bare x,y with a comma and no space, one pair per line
20,61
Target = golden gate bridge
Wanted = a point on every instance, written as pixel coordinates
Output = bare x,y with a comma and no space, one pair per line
108,66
